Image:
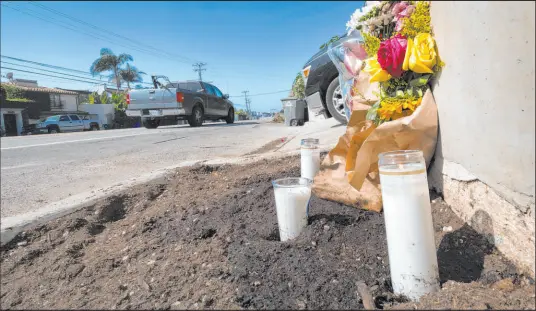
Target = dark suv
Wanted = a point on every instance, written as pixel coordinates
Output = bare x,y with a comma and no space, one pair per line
322,90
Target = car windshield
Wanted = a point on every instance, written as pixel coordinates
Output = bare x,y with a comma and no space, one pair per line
53,118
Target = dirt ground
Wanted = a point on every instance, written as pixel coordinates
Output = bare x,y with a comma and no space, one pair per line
207,238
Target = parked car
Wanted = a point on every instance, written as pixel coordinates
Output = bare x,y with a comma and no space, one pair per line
67,123
322,91
194,101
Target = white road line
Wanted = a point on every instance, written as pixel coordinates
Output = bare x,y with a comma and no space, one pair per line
20,166
75,141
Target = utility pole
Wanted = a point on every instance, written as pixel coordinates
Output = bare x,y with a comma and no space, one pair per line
247,101
198,67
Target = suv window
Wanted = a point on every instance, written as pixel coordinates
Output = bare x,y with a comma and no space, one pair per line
210,89
74,117
218,92
194,87
64,118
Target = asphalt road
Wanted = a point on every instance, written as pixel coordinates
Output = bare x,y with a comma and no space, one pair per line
43,169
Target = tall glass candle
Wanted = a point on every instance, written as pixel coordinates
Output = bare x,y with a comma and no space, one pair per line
408,223
310,158
292,197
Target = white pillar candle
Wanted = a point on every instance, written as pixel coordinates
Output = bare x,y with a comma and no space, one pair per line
408,223
310,158
291,200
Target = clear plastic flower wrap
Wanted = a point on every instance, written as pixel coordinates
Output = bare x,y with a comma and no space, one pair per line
348,59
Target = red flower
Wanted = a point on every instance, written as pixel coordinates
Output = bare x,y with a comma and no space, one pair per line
391,55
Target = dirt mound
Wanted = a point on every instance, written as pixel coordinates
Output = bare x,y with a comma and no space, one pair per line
207,238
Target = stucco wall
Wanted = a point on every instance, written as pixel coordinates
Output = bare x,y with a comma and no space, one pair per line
485,97
70,102
105,112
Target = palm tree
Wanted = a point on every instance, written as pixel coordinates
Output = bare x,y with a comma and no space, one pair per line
108,61
131,74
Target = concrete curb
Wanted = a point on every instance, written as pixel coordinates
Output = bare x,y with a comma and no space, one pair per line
11,226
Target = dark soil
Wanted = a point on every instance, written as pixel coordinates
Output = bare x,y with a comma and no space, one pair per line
207,238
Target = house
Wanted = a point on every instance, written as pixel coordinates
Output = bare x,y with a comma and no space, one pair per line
41,102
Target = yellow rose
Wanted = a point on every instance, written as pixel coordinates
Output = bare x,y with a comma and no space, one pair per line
421,54
373,68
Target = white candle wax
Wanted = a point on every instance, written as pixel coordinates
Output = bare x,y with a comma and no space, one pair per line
310,162
291,207
409,228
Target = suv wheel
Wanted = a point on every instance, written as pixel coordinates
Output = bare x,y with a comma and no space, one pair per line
196,119
335,102
53,130
230,116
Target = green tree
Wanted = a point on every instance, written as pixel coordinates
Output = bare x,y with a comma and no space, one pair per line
131,74
109,62
298,87
119,101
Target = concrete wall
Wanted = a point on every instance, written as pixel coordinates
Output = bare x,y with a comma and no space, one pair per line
485,97
105,113
70,102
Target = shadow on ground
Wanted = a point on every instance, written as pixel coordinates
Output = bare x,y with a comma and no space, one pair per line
466,255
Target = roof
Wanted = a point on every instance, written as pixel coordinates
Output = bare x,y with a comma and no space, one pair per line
42,89
76,91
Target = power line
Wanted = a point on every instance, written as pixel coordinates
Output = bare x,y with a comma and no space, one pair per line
47,65
99,37
61,73
199,68
54,67
44,74
111,32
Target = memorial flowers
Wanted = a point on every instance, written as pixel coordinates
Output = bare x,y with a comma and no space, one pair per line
402,54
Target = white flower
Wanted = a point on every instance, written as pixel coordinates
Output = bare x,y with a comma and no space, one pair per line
354,21
372,3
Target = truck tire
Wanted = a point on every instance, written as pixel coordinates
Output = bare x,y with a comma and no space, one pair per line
94,127
334,101
230,116
53,130
151,124
196,119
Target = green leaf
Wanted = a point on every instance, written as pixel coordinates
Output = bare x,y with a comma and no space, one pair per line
420,81
373,111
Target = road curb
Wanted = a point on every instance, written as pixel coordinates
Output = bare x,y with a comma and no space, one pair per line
11,226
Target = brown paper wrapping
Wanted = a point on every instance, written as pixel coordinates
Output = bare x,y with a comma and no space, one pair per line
349,173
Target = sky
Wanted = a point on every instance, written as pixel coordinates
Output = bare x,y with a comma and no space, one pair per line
254,46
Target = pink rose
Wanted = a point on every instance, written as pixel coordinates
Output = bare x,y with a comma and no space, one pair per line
391,55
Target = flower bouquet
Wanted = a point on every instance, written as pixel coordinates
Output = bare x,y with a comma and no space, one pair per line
392,104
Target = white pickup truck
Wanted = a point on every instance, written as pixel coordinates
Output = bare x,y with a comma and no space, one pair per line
67,123
194,101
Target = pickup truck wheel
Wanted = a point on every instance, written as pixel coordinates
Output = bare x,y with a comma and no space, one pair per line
94,127
196,119
335,102
151,124
230,116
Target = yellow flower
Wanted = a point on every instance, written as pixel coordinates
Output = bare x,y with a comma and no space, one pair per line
421,54
373,68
